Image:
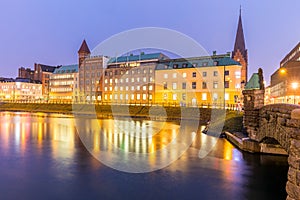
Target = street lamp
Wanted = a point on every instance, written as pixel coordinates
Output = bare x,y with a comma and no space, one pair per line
295,86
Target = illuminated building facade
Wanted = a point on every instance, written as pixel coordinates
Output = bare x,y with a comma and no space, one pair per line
130,79
91,69
64,84
26,73
42,73
20,89
198,81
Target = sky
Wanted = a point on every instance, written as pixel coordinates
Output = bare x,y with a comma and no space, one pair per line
51,32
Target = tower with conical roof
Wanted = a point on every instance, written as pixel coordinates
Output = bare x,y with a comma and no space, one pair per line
240,53
83,52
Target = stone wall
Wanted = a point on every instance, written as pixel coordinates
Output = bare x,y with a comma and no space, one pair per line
281,122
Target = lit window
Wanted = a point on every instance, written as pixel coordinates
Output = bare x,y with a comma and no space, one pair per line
110,97
105,97
121,88
138,96
132,80
126,88
132,96
215,73
144,96
121,96
174,75
144,88
174,86
110,80
105,81
138,87
174,97
138,79
226,96
110,88
215,96
215,85
237,86
105,89
237,74
116,80
126,96
204,96
144,79
204,74
150,87
183,75
116,97
165,76
132,88
183,96
127,79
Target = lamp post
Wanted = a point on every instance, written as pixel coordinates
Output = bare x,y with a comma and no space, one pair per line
295,86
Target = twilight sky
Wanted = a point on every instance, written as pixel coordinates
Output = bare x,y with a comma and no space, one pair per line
50,32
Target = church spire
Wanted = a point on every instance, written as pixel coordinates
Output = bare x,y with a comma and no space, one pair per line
240,53
84,48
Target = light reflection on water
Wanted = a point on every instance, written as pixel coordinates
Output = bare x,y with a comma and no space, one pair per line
42,156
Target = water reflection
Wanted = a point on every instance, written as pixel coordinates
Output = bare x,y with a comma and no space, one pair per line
46,154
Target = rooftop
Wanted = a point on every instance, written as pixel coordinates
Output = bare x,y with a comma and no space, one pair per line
132,58
253,83
66,69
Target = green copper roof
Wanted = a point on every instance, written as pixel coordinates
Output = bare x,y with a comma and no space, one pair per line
206,61
66,69
131,58
253,83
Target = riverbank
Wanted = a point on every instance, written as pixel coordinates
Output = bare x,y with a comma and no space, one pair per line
233,120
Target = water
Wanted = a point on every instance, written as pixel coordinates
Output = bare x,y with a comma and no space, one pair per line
42,157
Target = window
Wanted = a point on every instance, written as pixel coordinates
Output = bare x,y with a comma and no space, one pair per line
204,64
144,96
237,74
215,85
138,87
165,86
184,75
138,96
110,80
184,65
132,96
165,96
204,74
165,76
132,80
105,81
216,63
226,84
144,87
215,96
132,88
116,97
126,96
195,64
175,66
204,96
204,85
150,87
174,75
138,79
237,86
183,96
226,73
184,85
194,85
226,96
145,79
126,88
121,96
127,79
215,73
194,74
174,86
174,97
116,80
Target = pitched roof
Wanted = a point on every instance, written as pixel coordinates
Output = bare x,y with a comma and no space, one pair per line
47,68
66,69
197,62
84,48
132,58
240,39
253,83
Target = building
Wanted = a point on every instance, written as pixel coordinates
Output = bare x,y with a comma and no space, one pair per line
91,69
293,55
64,84
26,73
285,83
42,73
130,79
20,90
240,53
198,81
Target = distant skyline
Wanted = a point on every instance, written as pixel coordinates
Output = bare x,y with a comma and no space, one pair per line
50,32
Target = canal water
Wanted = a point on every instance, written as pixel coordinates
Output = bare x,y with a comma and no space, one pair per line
43,156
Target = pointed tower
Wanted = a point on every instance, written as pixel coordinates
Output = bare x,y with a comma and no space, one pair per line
83,52
240,53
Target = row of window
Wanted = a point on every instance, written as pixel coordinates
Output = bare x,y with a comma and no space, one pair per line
132,80
204,97
132,88
131,72
194,74
121,97
194,85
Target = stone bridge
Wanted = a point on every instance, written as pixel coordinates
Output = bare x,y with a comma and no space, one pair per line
280,122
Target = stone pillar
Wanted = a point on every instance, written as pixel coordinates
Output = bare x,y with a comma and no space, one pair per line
253,100
293,183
